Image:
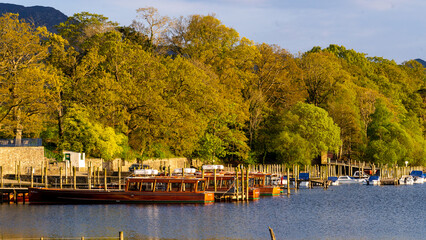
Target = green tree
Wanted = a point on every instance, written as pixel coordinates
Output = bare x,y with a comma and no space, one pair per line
82,134
303,133
27,85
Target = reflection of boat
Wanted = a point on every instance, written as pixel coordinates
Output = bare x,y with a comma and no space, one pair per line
138,190
372,180
349,180
406,179
417,176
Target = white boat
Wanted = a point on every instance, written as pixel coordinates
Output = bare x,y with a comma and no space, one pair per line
213,167
372,180
334,181
359,174
146,172
417,176
406,180
349,180
279,181
185,170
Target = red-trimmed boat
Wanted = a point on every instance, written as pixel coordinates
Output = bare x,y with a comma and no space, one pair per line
226,184
137,190
263,181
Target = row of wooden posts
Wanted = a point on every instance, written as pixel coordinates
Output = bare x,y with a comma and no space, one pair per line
316,171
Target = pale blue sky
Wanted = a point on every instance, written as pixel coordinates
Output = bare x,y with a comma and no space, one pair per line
393,29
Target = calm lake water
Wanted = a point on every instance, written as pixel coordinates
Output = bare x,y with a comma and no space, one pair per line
341,212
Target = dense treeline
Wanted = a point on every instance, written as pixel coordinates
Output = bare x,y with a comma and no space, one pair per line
193,87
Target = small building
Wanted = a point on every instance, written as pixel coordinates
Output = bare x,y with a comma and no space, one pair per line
75,159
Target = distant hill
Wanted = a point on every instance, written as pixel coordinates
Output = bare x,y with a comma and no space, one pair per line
40,16
421,61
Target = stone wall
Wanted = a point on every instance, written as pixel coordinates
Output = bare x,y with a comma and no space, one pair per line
27,157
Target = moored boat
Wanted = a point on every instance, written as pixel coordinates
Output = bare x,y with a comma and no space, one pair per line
263,181
138,190
349,180
406,180
417,176
372,180
226,184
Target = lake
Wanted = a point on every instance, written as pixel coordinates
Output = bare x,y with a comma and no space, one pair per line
341,212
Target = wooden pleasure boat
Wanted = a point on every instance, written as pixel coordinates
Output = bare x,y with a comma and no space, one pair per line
138,190
263,181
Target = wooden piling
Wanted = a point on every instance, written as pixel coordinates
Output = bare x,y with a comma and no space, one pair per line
288,181
60,177
247,182
45,177
215,183
19,172
42,172
237,185
119,176
120,236
1,178
242,184
105,179
89,177
74,176
32,177
272,233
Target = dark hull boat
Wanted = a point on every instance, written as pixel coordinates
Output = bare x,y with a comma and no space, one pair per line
138,190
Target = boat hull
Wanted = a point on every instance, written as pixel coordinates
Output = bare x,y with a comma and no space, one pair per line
84,196
269,191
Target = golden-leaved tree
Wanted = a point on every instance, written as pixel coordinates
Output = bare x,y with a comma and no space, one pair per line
28,87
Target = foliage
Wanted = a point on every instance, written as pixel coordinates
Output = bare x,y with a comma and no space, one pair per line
193,87
303,133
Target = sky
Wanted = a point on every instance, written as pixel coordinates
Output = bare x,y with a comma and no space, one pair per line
392,29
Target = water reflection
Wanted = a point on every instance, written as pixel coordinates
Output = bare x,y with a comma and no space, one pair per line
341,212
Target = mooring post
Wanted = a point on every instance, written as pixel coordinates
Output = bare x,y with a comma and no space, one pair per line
288,181
89,177
214,177
45,177
272,233
242,184
105,179
120,236
19,172
119,176
1,177
32,176
74,176
42,171
237,184
60,177
247,182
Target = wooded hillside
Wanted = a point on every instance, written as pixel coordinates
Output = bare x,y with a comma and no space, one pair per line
194,87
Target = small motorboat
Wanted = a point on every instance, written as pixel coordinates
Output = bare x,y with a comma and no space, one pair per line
372,180
349,180
334,181
406,180
417,176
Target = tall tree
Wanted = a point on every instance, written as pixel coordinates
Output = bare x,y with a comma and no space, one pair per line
27,85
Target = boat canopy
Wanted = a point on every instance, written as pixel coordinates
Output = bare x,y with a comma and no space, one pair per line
213,167
185,170
417,173
146,172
